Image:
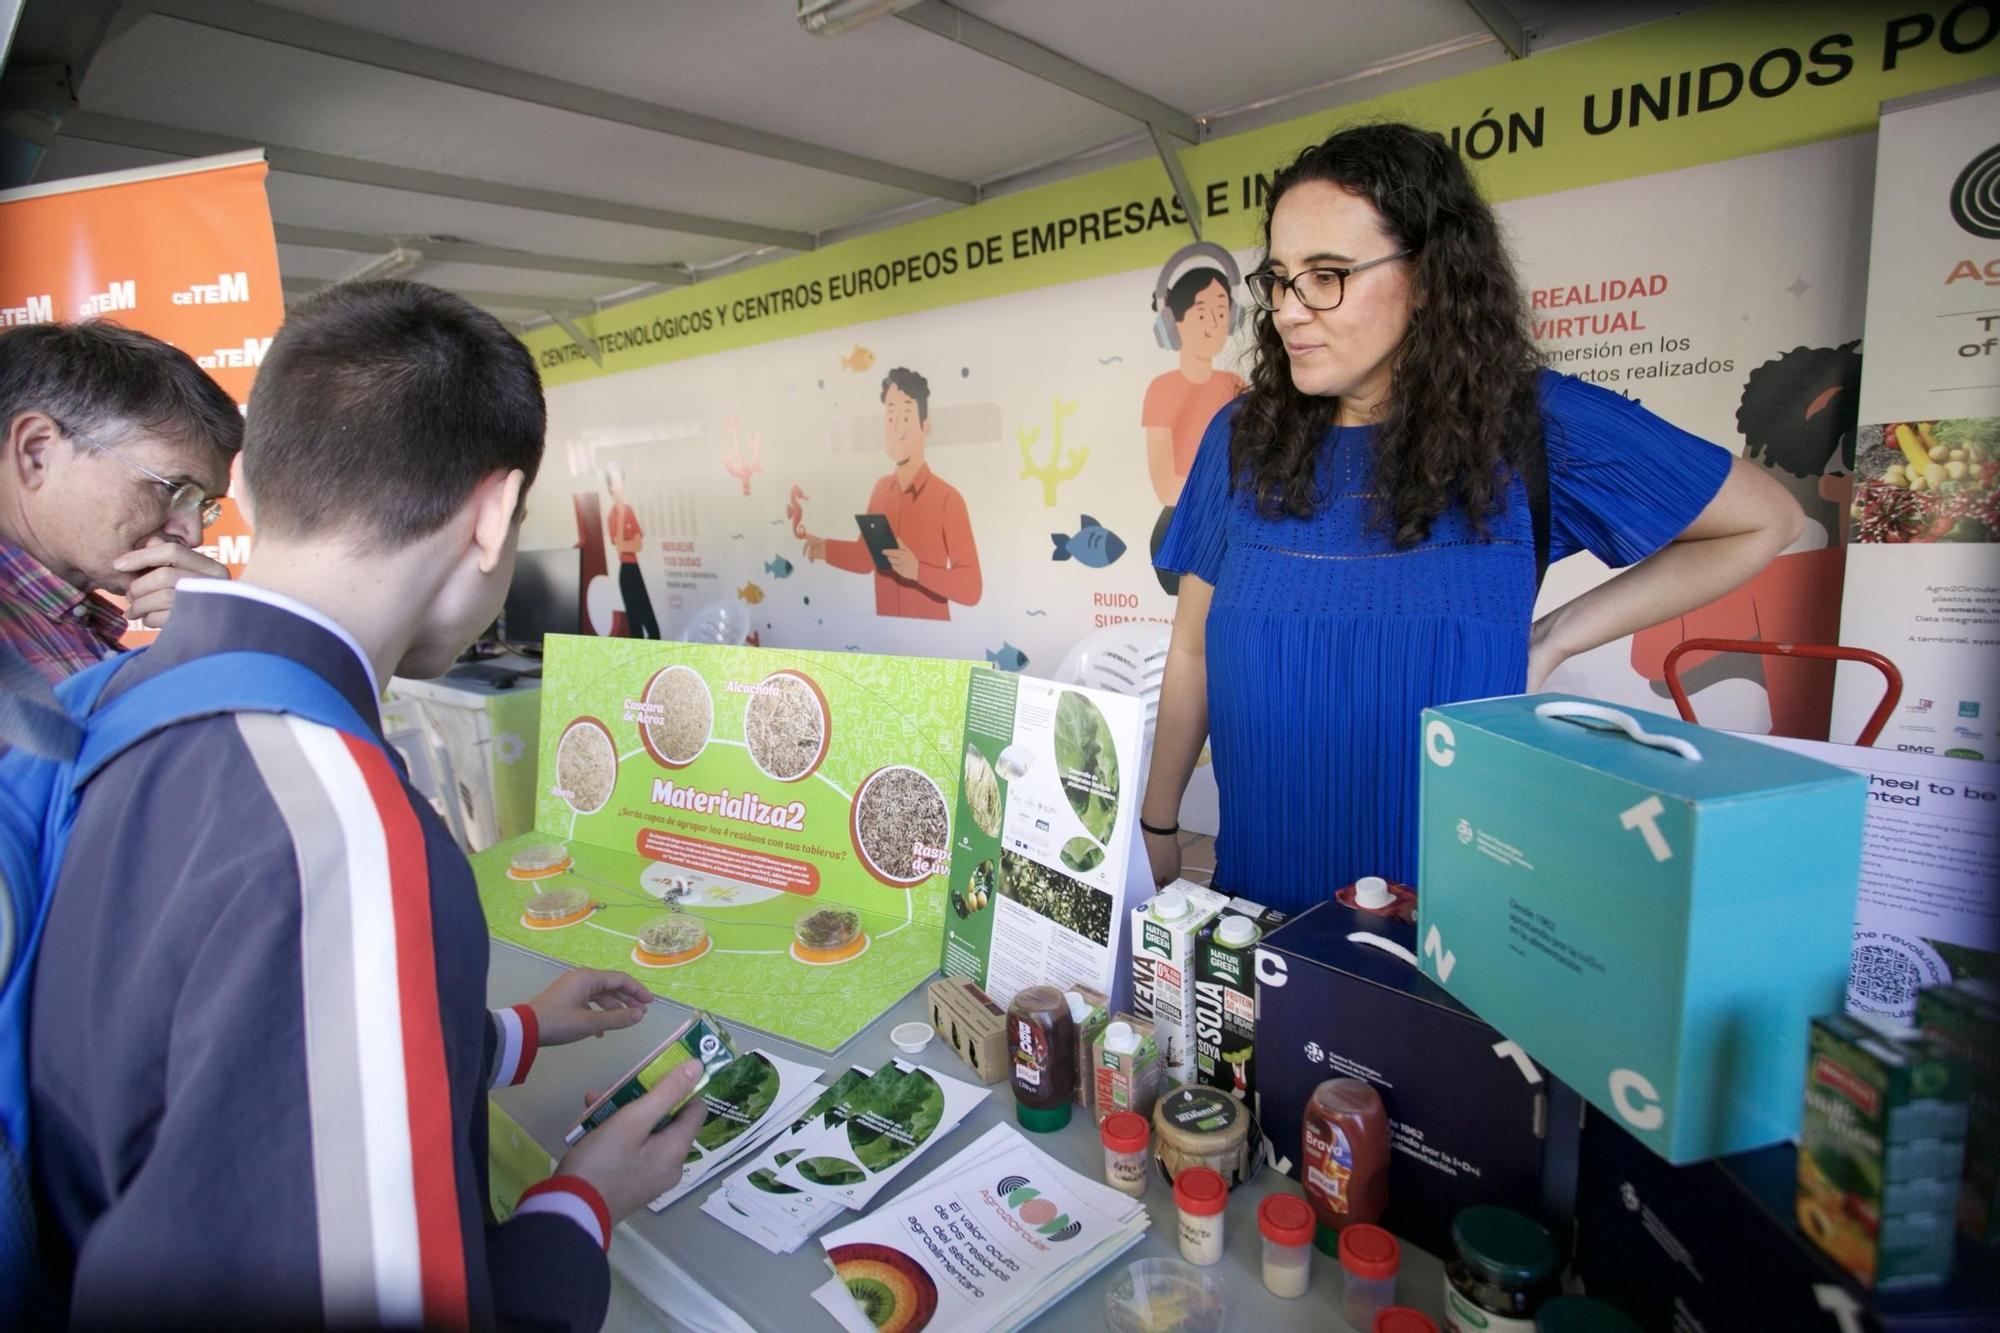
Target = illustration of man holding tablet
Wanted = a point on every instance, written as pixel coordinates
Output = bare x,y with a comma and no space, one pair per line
916,538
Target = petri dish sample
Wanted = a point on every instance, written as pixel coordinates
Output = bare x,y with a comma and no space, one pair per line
677,937
555,907
539,860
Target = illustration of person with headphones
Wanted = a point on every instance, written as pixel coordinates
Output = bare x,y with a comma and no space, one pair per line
1195,312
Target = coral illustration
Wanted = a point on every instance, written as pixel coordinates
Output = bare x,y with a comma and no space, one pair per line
734,463
1060,467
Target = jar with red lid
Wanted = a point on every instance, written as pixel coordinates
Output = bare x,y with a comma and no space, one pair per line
1369,1261
1127,1139
1201,1195
1402,1319
1287,1224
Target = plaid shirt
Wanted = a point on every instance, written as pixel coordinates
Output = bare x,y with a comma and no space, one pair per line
56,628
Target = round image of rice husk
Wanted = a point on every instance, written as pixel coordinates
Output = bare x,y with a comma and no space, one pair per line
982,792
785,726
901,826
686,716
586,765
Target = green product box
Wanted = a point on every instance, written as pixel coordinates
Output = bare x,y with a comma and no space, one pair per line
1880,1151
1126,1080
699,1038
1096,1018
1965,1020
1225,997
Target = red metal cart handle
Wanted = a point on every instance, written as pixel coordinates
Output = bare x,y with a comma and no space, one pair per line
1892,678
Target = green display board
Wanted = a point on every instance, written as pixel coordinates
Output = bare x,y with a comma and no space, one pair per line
749,789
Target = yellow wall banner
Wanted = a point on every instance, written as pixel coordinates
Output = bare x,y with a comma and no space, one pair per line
1727,81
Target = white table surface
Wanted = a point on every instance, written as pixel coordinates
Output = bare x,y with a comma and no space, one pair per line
683,1269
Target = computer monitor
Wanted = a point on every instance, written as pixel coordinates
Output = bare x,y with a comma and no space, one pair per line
545,597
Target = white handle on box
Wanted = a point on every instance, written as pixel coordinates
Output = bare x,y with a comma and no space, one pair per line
1570,710
1386,945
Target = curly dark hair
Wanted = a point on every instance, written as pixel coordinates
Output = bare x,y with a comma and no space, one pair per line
1463,411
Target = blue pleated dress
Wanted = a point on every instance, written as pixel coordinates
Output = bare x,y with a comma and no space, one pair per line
1325,643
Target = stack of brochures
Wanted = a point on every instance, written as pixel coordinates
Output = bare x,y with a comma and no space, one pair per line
749,1099
861,1132
989,1240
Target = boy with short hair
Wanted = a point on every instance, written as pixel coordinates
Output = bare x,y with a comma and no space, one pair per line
259,1052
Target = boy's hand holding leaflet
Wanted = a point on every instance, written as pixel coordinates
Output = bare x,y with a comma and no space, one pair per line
624,1160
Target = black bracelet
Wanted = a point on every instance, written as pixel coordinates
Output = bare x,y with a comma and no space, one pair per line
1160,832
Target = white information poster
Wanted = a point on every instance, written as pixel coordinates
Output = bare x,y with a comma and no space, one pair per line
1046,860
1929,909
1923,570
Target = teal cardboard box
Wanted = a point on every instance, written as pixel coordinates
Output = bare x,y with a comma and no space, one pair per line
1653,910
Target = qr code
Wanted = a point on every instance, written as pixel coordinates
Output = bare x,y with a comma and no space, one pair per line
1882,975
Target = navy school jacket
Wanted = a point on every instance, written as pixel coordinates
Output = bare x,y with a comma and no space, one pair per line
259,1049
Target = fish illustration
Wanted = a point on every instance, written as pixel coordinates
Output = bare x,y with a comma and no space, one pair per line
1093,545
1007,657
858,360
751,593
796,512
778,567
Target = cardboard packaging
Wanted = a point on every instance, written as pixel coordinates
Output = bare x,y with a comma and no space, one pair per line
1712,1248
1881,1150
1125,1081
1087,1032
975,1026
1658,929
1163,961
1965,1020
1472,1119
1225,999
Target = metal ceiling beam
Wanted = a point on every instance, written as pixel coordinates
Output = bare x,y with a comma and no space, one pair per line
1170,158
304,33
554,305
976,34
1500,21
117,130
583,341
446,251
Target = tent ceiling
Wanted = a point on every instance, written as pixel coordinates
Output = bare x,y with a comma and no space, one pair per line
542,130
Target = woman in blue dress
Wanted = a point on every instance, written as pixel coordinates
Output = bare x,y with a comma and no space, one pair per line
1355,536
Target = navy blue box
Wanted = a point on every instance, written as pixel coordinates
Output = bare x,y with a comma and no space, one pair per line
1712,1248
1472,1119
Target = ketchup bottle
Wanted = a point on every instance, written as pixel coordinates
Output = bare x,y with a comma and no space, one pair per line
1344,1164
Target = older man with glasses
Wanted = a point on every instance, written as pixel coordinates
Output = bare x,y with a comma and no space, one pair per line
115,456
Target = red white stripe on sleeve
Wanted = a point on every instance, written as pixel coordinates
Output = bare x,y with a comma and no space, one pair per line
520,1039
572,1197
390,1246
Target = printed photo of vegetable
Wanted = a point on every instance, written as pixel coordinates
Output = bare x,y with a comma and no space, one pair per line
982,792
1081,854
1087,764
1928,481
1069,903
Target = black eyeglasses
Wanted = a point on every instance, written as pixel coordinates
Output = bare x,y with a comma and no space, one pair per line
1316,288
182,496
